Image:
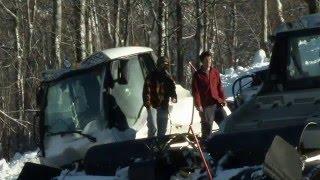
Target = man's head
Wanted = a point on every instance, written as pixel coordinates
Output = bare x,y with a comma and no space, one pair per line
163,63
206,59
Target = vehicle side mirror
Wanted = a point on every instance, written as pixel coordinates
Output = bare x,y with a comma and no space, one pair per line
123,73
39,96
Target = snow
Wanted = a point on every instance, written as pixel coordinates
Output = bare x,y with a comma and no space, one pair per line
260,62
10,170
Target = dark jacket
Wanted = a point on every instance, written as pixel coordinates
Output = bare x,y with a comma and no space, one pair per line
207,88
158,87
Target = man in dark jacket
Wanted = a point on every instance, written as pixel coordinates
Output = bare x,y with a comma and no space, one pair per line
158,88
207,93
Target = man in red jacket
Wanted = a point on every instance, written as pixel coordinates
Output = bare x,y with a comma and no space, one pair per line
207,93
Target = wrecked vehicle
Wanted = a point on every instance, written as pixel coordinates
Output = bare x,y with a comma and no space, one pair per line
99,102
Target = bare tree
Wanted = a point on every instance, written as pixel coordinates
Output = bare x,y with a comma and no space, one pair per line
31,12
179,35
205,25
89,28
199,28
161,28
314,6
57,27
109,23
264,27
19,58
80,9
280,11
116,23
166,31
126,25
216,28
95,26
231,34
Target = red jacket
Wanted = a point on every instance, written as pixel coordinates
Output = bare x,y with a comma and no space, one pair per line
207,88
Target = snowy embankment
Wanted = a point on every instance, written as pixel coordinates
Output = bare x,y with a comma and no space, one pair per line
10,170
260,62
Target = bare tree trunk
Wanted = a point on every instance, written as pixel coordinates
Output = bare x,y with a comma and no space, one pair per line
146,33
19,58
109,23
231,35
166,32
205,22
31,18
89,28
264,30
280,11
161,29
126,25
95,24
217,40
116,24
57,26
211,29
80,10
314,6
132,37
199,30
179,24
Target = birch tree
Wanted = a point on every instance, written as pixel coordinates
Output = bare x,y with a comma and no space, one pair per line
95,26
264,27
116,23
231,34
161,28
205,25
126,24
19,58
31,13
199,28
80,11
179,32
280,11
89,28
314,6
57,27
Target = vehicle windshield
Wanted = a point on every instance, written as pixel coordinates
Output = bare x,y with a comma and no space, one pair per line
304,57
74,102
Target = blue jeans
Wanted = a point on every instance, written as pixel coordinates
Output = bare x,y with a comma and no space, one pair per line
157,121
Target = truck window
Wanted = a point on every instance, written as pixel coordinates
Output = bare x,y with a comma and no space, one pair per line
73,102
304,60
128,96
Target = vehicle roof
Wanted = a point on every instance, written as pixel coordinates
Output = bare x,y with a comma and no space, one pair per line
304,22
95,60
119,52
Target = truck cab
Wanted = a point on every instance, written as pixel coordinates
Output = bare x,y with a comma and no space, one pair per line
98,102
290,94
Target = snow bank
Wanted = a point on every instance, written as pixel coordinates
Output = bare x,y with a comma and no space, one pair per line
260,62
12,169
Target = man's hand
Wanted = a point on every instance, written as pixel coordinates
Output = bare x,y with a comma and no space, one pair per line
174,100
224,103
200,109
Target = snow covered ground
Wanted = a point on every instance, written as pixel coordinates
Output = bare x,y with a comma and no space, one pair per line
10,170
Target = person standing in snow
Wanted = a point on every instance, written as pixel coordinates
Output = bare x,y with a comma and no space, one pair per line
158,88
207,93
